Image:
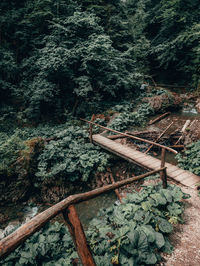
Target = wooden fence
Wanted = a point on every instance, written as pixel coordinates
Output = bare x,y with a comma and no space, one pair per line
67,208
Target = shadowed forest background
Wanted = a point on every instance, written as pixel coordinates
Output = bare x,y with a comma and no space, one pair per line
58,56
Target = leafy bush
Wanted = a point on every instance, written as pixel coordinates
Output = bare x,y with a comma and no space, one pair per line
46,152
128,234
71,156
48,247
190,159
136,114
129,118
9,152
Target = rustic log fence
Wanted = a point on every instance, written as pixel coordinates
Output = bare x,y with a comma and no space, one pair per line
67,208
163,174
128,136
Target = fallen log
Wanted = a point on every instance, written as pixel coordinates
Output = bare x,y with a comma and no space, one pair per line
147,134
139,133
158,118
187,123
159,136
177,146
116,137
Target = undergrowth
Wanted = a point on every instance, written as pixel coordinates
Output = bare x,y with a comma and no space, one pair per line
49,152
190,159
130,117
133,233
135,114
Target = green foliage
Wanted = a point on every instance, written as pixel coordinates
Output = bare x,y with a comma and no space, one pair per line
190,159
129,117
19,157
136,114
78,62
57,55
8,72
49,246
68,58
174,36
71,156
51,152
9,153
132,233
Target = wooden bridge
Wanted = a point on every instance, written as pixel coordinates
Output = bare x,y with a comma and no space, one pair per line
146,161
142,159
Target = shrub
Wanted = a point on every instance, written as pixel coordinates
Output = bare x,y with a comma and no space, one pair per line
46,152
130,118
9,152
190,159
132,233
70,155
46,247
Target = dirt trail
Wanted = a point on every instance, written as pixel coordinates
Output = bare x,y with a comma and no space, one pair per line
186,237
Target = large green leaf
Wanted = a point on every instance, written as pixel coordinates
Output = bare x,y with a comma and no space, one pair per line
160,200
164,226
149,231
151,259
160,242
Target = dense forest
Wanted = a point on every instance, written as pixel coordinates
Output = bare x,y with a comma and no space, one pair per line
69,59
57,54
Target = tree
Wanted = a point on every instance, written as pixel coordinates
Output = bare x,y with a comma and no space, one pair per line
78,61
174,33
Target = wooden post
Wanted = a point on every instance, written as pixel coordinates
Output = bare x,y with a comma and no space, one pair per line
77,233
113,182
163,174
92,119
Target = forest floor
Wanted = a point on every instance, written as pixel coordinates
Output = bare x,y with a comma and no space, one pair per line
186,237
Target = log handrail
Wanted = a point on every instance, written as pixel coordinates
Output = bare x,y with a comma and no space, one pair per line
131,136
12,241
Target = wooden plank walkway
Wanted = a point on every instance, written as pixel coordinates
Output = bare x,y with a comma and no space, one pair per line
146,161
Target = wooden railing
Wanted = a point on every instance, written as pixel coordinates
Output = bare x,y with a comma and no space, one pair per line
163,174
127,135
67,208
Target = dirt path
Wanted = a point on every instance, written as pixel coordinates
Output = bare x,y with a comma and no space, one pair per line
186,237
